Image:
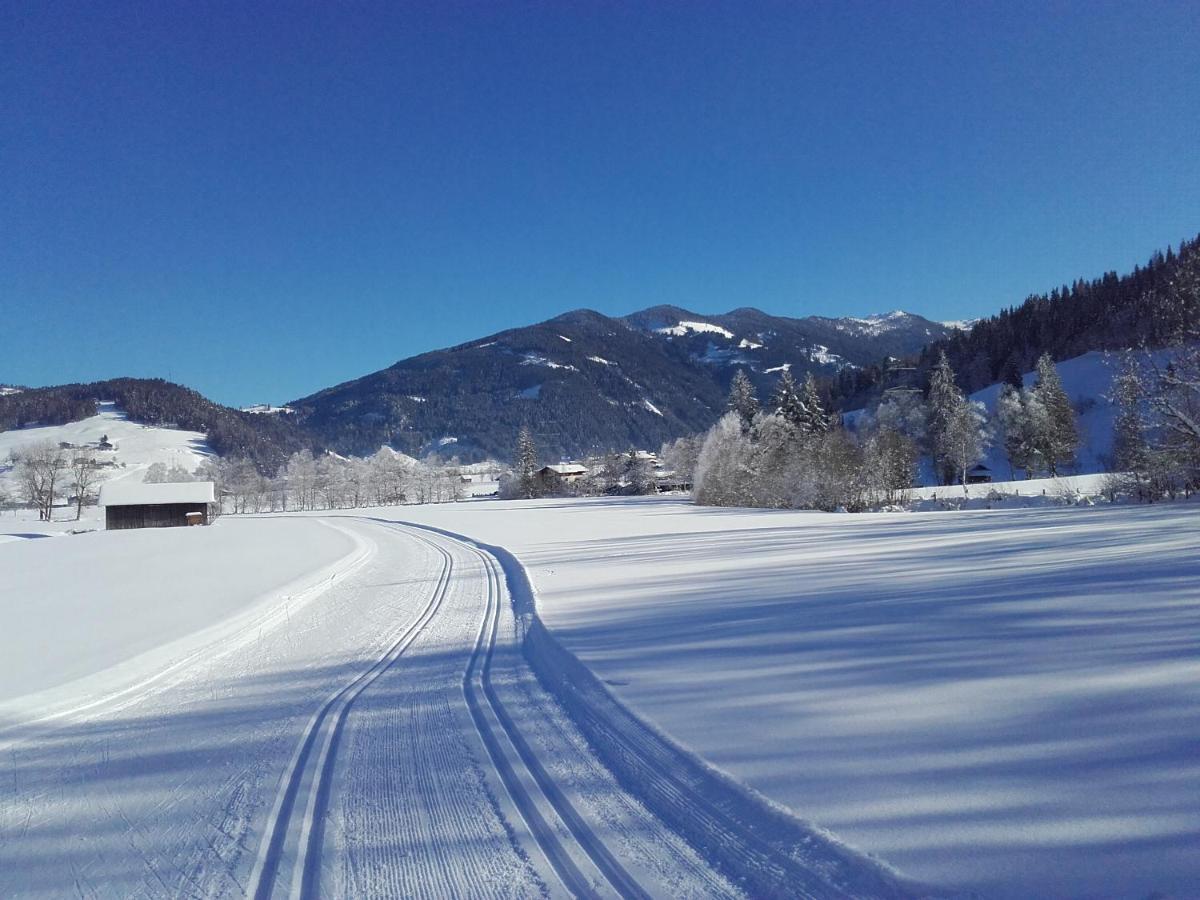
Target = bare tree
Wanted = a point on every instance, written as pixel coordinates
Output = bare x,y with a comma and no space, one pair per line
84,472
39,471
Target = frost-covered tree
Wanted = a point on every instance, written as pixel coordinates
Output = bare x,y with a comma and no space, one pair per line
785,399
161,473
812,417
944,402
525,465
301,474
680,455
390,474
965,439
1135,463
1177,402
724,470
1131,449
904,412
743,400
1020,415
639,474
890,459
1057,440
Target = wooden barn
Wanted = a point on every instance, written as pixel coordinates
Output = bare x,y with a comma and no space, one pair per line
137,505
979,474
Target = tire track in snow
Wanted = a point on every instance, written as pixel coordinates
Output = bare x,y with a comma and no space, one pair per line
296,836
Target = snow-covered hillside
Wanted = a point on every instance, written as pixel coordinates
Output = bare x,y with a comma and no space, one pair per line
135,447
1088,382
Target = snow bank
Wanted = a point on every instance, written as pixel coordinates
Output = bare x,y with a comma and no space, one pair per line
77,606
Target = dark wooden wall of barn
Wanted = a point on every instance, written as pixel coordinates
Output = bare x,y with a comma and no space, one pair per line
156,515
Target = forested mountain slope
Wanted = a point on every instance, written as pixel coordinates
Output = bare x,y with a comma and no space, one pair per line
584,382
1152,306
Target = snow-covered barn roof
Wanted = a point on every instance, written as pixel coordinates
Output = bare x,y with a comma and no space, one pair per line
125,492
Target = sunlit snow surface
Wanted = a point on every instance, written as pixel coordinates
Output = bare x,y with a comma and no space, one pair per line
1004,701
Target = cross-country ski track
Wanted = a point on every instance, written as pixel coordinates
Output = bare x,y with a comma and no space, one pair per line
384,735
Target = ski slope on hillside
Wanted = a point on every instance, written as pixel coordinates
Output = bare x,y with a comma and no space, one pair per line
1005,701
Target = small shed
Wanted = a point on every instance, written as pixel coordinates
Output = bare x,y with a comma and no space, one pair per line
979,474
139,505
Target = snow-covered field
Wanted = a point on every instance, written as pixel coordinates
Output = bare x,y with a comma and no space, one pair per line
1001,701
1004,701
369,729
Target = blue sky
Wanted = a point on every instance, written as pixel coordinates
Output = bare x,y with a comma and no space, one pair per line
262,200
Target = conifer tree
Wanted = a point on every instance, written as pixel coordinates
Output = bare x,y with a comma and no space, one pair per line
743,400
1017,422
1058,439
1130,449
813,420
944,400
525,464
786,400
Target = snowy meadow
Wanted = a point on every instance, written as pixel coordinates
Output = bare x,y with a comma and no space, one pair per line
1001,701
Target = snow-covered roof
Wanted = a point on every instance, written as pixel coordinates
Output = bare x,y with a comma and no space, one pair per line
124,492
568,469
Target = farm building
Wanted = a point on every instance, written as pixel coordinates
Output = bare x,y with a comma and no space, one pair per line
555,477
979,474
138,505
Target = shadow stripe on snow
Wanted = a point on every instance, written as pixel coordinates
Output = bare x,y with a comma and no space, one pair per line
759,845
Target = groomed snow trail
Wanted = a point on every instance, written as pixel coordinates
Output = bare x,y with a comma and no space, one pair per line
443,722
382,738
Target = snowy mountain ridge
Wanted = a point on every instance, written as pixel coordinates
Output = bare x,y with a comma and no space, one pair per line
585,382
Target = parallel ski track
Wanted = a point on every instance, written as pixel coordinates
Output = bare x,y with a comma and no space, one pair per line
307,780
298,814
477,681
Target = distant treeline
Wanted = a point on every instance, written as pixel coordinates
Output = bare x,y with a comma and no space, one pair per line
266,440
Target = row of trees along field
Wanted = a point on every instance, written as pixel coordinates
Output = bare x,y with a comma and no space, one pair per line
47,473
326,481
793,455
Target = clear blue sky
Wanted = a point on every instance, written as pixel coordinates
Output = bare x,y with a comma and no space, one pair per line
261,200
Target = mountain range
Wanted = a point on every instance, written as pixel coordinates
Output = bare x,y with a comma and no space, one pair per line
584,382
